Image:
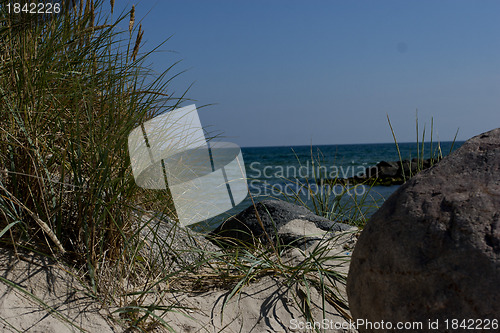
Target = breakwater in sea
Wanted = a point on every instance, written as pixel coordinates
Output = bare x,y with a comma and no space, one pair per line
278,172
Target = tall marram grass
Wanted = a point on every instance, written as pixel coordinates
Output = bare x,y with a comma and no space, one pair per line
337,202
435,153
72,87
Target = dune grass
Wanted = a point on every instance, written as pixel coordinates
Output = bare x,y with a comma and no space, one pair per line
315,268
435,154
72,87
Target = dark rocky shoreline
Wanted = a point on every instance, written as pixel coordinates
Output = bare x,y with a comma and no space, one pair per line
385,173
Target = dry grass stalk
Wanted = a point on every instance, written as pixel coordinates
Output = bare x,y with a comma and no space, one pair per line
44,226
137,42
80,10
132,19
99,27
92,13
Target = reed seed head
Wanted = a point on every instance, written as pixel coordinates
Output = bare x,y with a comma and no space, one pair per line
137,42
132,19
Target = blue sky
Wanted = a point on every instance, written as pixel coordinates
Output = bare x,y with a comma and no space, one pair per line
327,72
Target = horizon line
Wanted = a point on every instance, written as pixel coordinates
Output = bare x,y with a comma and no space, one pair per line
349,144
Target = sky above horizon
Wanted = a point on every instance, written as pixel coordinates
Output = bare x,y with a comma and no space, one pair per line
327,72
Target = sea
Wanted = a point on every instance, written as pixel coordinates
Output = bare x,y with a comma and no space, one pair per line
294,173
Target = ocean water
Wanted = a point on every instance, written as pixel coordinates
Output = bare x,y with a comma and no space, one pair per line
278,172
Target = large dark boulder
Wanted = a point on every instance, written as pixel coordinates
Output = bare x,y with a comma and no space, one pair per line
432,251
386,173
291,224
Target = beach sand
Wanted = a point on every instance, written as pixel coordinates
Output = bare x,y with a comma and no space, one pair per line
264,305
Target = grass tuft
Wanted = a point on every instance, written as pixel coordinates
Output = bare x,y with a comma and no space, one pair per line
69,96
338,202
434,155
